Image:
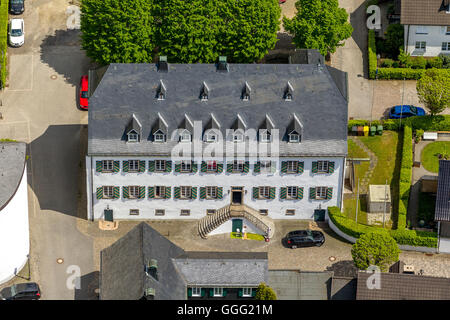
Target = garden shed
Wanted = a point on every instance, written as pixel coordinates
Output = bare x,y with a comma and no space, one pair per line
377,197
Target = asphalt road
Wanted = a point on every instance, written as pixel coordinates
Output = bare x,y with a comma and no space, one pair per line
40,108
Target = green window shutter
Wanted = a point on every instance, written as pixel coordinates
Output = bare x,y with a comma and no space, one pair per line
125,193
99,166
253,292
168,166
240,292
329,193
224,292
257,167
246,166
272,193
312,193
189,292
202,292
151,192
314,167
116,166
141,192
116,192
202,192
99,192
283,192
301,167
299,193
255,192
194,193
203,167
219,192
219,167
168,192
151,166
229,167
330,166
284,165
211,292
176,193
125,166
194,167
141,166
177,167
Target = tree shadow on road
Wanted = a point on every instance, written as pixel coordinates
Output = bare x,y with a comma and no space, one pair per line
345,268
360,32
89,285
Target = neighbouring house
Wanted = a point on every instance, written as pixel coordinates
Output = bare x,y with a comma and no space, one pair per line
143,264
427,27
442,210
14,231
401,286
232,145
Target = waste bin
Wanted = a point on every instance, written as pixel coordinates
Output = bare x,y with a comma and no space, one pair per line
354,130
360,131
366,131
380,129
373,130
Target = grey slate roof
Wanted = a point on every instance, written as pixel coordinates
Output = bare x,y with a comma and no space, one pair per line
442,211
12,166
130,88
425,12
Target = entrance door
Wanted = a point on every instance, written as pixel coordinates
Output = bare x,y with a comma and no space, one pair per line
237,197
319,215
237,224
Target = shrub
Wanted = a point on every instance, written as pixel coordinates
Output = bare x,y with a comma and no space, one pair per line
435,62
404,58
445,60
394,38
264,292
372,51
391,124
430,123
387,63
419,135
418,63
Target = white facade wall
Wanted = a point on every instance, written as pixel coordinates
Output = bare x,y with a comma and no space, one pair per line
434,37
277,207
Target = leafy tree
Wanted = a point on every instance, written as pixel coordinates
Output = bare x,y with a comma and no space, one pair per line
200,31
394,39
118,30
265,292
375,249
319,24
433,89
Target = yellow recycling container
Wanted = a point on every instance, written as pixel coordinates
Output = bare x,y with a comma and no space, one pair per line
366,131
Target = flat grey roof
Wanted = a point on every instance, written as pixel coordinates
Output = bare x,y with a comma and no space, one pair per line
442,211
12,165
128,89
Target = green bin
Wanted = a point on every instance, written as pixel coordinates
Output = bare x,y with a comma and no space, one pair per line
380,130
373,130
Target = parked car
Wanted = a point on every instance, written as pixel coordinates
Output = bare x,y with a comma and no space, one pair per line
406,111
16,32
84,92
21,291
304,238
16,6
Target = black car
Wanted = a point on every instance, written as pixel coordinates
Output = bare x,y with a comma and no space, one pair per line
16,6
21,291
304,238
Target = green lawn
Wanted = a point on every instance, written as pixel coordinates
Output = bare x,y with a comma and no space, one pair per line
430,153
250,236
354,151
350,208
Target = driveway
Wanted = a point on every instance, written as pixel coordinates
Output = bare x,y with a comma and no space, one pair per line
39,107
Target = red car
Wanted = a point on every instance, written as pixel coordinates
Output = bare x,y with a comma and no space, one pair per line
84,93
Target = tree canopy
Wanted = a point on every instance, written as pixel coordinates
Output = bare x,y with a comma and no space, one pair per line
375,249
264,292
433,89
319,24
186,31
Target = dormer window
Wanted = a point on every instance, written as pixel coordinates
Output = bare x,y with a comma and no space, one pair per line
288,92
294,137
159,136
204,97
161,94
204,92
185,136
133,137
246,92
238,136
264,136
288,97
211,136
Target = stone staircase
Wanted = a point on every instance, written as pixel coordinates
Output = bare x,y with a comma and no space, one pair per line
211,222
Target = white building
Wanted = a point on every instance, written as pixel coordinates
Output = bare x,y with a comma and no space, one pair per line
270,140
427,27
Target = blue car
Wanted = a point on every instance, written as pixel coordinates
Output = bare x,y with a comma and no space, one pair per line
406,111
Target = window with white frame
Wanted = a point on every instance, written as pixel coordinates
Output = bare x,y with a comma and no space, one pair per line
294,137
322,166
238,136
196,292
159,136
292,166
421,30
292,192
321,193
265,136
160,192
107,165
108,192
246,292
421,45
185,137
186,166
160,165
238,165
265,166
185,192
211,192
264,192
445,46
218,292
133,137
133,191
211,166
133,165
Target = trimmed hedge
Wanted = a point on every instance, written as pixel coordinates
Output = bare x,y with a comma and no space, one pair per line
3,40
372,52
403,237
405,177
390,124
430,123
